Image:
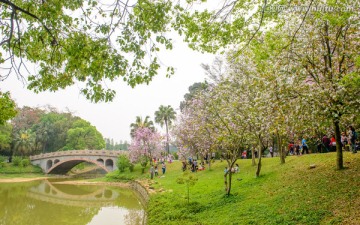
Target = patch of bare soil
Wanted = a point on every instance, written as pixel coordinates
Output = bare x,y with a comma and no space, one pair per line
19,179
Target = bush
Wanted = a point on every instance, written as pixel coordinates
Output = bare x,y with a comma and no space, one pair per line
119,177
16,160
131,167
123,163
25,162
2,159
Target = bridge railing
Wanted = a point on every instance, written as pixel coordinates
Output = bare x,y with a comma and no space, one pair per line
79,152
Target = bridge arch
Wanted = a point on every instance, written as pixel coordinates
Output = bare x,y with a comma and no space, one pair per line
109,164
49,164
62,167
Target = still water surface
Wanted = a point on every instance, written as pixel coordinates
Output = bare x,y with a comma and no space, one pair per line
51,203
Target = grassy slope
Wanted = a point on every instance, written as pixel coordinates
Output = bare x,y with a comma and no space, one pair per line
284,194
10,171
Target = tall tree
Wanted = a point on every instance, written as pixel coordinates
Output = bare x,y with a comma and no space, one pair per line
7,107
82,135
324,54
51,131
145,145
5,139
24,142
165,116
193,90
26,118
140,123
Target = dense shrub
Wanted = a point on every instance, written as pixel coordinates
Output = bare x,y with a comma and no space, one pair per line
123,163
2,158
131,167
25,162
16,160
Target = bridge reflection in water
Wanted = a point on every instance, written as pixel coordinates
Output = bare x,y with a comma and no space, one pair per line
79,195
112,206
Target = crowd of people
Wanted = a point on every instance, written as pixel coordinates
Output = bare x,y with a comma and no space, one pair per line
349,142
159,162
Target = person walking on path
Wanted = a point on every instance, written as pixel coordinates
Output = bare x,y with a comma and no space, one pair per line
344,141
304,146
271,151
163,167
152,171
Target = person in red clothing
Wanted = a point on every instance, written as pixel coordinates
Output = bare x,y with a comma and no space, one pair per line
333,143
243,155
291,148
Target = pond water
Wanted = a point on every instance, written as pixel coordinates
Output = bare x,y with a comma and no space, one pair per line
49,202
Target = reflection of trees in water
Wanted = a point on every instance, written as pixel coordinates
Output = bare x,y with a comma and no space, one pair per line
134,217
107,193
76,189
17,208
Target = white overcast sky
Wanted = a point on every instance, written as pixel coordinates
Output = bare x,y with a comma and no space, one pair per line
113,119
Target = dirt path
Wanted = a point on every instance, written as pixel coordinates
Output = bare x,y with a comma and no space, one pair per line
76,182
20,179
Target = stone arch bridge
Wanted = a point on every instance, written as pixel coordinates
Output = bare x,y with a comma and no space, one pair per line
62,162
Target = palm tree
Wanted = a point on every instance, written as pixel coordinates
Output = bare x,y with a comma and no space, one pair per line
24,142
165,115
140,123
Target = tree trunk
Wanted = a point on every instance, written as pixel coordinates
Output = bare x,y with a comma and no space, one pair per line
167,138
209,161
253,163
229,185
280,148
259,163
339,153
225,182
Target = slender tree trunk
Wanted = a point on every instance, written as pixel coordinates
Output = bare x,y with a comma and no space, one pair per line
280,148
167,138
339,153
229,185
225,182
209,160
253,163
259,163
228,175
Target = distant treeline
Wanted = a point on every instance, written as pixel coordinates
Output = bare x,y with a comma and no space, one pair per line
38,130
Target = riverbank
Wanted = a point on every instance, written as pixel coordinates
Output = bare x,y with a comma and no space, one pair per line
292,193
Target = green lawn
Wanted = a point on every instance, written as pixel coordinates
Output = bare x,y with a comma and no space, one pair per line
7,170
283,194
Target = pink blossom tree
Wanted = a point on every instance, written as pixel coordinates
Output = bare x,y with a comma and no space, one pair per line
145,145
